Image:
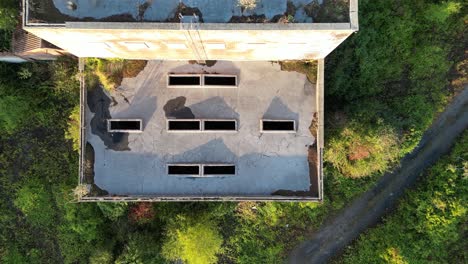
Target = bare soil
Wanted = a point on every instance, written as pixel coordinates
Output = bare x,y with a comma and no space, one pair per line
358,152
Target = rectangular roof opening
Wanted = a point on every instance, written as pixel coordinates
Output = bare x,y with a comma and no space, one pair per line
124,125
220,125
220,80
288,126
219,170
183,125
183,169
184,80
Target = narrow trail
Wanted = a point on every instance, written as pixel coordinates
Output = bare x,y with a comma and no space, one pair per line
367,209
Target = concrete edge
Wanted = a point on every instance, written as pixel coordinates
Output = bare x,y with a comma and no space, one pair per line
353,24
82,159
209,26
198,199
321,126
354,14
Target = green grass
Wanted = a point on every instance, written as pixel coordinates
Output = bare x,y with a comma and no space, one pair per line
429,225
384,86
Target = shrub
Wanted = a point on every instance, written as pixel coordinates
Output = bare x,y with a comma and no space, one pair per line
113,211
142,212
11,255
110,72
8,20
195,241
141,248
309,68
263,232
73,130
34,201
429,225
14,112
358,154
82,228
101,256
65,81
393,71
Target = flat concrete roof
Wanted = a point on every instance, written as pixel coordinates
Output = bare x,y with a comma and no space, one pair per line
209,11
266,164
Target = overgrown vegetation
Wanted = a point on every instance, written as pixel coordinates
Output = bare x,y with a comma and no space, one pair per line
384,87
357,153
328,11
8,19
429,225
73,131
309,68
184,238
386,84
110,72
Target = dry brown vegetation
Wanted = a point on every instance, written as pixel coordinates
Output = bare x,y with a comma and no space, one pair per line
309,68
111,72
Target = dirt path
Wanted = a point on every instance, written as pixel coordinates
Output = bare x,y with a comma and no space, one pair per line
367,209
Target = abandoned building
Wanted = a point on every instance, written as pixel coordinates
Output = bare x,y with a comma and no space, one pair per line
25,46
216,113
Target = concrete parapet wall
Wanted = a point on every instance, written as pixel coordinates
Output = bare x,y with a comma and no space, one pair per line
136,198
353,14
320,122
166,41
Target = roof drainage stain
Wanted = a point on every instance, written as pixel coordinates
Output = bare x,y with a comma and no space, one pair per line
99,104
208,63
220,11
175,108
314,187
89,172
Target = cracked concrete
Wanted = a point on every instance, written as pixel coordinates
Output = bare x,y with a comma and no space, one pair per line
265,163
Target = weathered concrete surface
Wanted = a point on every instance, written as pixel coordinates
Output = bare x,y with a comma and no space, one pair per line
368,209
225,42
219,11
214,39
265,163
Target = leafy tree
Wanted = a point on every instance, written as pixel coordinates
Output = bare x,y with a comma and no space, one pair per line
14,111
386,84
73,131
13,256
34,201
101,256
113,211
193,240
8,19
141,248
82,230
8,14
